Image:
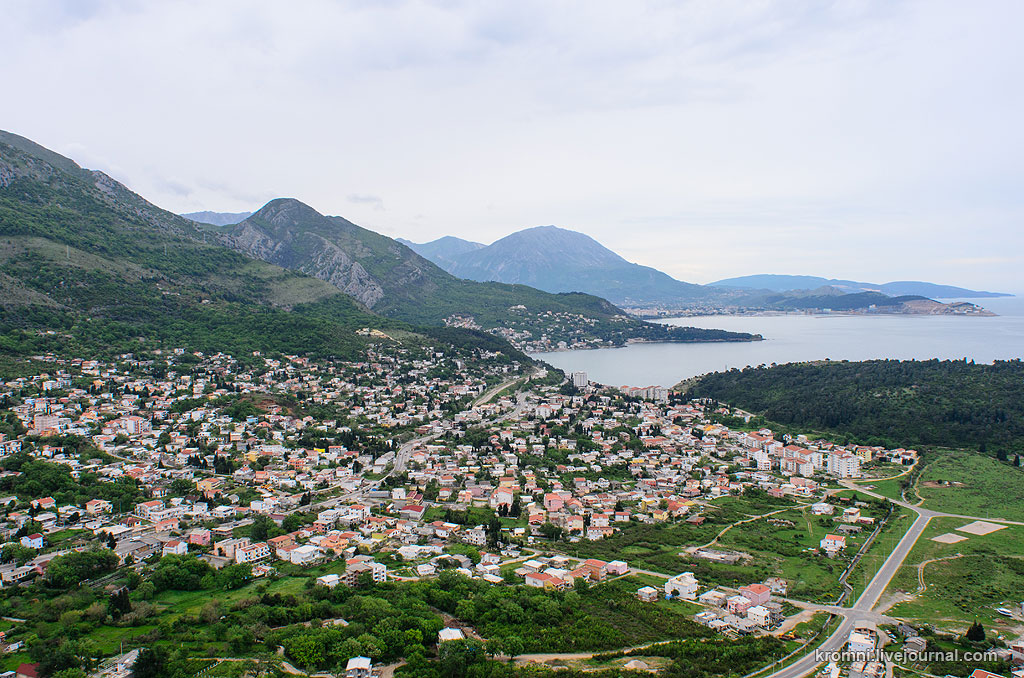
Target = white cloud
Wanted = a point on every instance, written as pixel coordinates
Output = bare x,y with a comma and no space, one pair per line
869,140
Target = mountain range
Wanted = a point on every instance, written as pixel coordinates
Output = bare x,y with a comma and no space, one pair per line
218,218
444,251
391,279
787,283
87,266
561,260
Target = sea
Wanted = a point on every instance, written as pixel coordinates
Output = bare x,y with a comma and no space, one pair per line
799,338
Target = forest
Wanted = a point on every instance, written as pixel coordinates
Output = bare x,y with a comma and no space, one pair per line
893,403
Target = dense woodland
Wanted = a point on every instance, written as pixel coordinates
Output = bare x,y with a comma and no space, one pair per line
885,402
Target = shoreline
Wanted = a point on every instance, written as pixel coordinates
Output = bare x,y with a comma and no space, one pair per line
633,342
782,314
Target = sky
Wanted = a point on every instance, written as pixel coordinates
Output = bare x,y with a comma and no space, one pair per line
872,141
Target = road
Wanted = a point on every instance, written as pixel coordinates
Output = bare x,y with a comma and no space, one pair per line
495,390
862,609
404,452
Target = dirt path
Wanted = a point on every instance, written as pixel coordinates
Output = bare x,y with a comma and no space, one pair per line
543,657
791,622
920,569
694,549
388,671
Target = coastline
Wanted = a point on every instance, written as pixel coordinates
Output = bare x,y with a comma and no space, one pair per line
633,342
984,313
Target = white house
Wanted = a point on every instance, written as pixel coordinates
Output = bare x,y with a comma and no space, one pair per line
358,667
301,555
682,586
760,616
32,541
251,553
175,548
860,643
447,634
328,580
647,594
833,543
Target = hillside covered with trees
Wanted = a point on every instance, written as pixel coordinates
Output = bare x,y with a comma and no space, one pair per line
887,402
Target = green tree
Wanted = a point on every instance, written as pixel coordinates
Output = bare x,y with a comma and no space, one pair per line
74,568
150,663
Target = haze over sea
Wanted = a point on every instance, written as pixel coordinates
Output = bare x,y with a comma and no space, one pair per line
798,338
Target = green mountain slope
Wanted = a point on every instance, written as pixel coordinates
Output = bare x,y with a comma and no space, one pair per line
391,279
88,266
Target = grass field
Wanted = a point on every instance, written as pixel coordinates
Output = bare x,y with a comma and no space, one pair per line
889,487
784,547
973,484
966,580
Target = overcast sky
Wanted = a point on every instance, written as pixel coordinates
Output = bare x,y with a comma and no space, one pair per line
873,141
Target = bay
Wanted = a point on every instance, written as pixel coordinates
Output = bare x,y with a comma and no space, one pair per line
798,338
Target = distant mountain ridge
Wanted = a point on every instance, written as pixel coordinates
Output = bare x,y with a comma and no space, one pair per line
444,251
560,260
218,218
789,283
391,279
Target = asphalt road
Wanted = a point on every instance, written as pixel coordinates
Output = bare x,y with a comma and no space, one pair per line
874,590
868,599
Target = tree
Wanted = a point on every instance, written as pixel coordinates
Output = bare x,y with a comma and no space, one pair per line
260,529
55,655
551,531
306,649
494,530
119,603
458,655
513,646
74,568
150,663
180,487
14,552
517,507
235,576
292,522
976,633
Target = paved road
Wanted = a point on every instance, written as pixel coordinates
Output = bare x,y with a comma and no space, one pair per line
495,390
862,608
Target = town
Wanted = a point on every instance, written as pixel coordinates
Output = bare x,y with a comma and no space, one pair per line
414,466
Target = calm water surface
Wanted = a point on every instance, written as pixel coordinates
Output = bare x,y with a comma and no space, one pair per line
795,338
